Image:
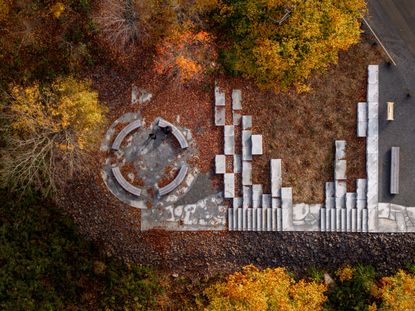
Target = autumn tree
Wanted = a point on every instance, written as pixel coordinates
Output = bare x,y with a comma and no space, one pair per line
270,289
396,292
186,55
279,43
49,131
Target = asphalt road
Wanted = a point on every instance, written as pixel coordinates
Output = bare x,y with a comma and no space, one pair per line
394,23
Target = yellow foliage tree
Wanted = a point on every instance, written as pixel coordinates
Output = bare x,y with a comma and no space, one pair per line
279,43
270,289
50,130
396,292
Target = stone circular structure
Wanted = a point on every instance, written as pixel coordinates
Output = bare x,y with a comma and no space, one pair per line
147,166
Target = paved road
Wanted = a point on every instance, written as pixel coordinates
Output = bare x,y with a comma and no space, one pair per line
394,23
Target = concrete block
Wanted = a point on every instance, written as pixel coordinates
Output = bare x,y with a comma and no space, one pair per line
230,219
266,200
350,200
246,122
254,219
343,220
362,119
279,219
333,220
361,185
287,209
244,218
249,219
269,218
276,178
220,164
264,219
219,97
340,169
246,145
340,150
240,217
323,219
354,220
236,99
246,173
236,118
256,195
275,202
256,144
259,219
237,163
237,202
220,116
328,223
365,225
229,185
229,137
247,196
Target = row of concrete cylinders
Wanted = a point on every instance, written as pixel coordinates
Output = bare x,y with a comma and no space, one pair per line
255,219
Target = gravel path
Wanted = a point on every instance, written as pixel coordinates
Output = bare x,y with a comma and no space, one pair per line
116,227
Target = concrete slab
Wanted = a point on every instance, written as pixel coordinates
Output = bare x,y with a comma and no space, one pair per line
236,118
362,119
266,201
237,163
276,178
256,144
246,173
236,99
229,137
340,169
219,116
246,145
246,122
287,209
220,164
247,196
219,97
340,149
256,195
229,185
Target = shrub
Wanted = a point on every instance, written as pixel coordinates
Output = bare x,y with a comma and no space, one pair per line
270,289
186,55
49,133
279,54
352,288
396,292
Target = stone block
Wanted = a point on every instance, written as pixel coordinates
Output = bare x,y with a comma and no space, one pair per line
365,223
340,149
249,219
256,195
236,99
246,122
275,202
247,196
236,118
287,209
269,218
259,219
237,163
323,219
229,185
230,219
362,128
361,185
266,200
362,119
343,220
229,137
244,218
328,223
279,219
235,218
340,193
219,97
339,219
246,145
220,164
240,218
254,219
274,219
256,144
276,178
340,170
237,202
354,220
264,219
333,219
246,173
350,200
219,116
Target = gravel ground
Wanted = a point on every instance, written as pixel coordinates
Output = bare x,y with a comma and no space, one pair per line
116,228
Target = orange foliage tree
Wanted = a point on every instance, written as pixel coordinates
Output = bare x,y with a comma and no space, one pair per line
186,55
270,289
396,292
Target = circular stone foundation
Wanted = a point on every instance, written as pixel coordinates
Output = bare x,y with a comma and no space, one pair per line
142,163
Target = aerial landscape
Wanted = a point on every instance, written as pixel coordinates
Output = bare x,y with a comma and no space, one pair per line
207,155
